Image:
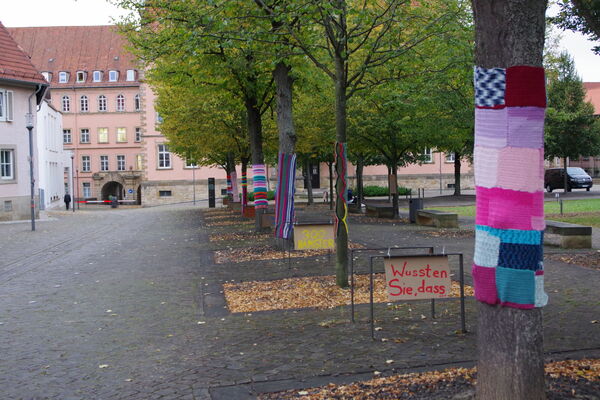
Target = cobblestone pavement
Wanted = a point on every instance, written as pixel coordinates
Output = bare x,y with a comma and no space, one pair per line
127,304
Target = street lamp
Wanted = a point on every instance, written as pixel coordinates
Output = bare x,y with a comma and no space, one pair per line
29,126
72,179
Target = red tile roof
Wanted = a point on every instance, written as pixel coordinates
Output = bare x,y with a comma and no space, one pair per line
78,48
593,95
14,62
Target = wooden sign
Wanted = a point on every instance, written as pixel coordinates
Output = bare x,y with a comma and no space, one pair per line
313,237
417,278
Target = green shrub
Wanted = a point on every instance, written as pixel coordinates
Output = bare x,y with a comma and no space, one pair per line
375,191
270,195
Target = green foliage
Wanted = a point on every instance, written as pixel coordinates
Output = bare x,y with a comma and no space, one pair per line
571,129
378,191
270,195
580,16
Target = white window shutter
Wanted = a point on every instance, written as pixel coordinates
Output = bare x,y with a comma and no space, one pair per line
9,105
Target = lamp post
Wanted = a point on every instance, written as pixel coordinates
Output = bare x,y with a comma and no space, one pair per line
194,181
72,180
29,126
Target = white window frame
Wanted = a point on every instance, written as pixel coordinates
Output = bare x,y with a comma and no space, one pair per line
138,134
86,164
120,162
97,76
121,135
6,105
104,165
120,103
63,77
138,162
428,152
84,104
86,189
67,138
164,156
190,164
84,133
7,164
450,157
130,75
66,103
103,130
113,75
102,103
81,77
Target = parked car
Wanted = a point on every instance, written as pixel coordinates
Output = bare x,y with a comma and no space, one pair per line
577,178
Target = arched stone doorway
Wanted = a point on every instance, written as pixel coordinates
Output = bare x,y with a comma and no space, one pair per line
112,188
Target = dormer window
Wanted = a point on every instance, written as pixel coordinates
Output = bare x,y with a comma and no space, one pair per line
81,76
113,76
97,76
131,75
47,76
63,77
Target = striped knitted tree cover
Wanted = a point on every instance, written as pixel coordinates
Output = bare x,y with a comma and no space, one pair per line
260,186
342,195
234,187
508,264
229,187
244,191
284,198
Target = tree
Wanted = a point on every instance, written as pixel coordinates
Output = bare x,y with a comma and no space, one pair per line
509,33
571,129
581,16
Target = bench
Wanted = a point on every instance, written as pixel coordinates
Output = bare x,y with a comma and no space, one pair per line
439,219
568,236
380,210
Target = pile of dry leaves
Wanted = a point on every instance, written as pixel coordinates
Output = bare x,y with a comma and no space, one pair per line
241,236
229,223
267,252
572,379
590,259
450,233
307,292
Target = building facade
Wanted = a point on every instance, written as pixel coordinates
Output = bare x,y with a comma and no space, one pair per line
21,89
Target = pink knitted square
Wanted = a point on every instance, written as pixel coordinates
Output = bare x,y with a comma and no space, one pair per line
509,209
484,279
518,169
491,128
486,166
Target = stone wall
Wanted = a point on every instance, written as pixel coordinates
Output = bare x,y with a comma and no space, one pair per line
180,192
17,208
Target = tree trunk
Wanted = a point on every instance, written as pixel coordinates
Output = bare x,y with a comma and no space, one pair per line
457,165
341,163
308,181
244,183
255,136
360,192
510,363
389,169
330,166
395,200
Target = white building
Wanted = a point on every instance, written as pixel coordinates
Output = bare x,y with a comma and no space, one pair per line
22,88
54,163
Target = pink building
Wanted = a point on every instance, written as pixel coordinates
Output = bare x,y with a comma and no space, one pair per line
95,84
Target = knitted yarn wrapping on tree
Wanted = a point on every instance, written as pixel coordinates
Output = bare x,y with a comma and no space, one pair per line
508,264
342,195
229,187
234,187
244,190
260,186
284,198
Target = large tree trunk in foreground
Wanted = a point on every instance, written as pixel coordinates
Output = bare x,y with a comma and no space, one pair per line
510,363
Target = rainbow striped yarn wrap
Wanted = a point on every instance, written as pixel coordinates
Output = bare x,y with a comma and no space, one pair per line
342,195
234,187
260,186
229,187
508,264
284,198
244,190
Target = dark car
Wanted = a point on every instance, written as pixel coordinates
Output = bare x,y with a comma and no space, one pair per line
577,178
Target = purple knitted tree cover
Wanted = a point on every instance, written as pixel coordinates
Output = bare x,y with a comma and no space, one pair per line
284,198
508,264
